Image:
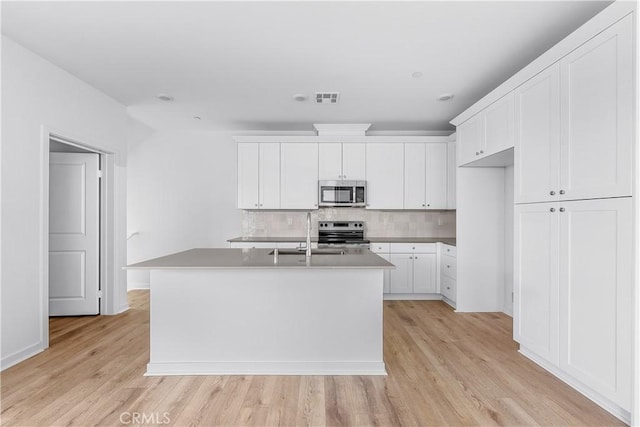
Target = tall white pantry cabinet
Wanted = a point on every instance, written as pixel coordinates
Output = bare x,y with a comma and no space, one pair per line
573,222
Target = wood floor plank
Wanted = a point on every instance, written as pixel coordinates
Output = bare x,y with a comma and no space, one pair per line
444,368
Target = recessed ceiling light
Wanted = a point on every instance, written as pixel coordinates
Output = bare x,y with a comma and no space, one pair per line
416,75
445,97
300,97
164,97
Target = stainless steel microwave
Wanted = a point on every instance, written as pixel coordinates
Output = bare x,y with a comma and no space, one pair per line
351,194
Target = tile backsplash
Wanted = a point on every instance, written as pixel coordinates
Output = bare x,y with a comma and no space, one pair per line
378,223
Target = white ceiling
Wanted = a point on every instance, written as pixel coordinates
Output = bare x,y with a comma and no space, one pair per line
238,64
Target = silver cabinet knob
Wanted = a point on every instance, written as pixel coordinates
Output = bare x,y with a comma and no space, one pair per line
344,176
448,287
552,210
448,266
561,209
448,250
481,151
428,205
256,205
477,153
423,205
553,193
561,191
415,257
410,257
260,204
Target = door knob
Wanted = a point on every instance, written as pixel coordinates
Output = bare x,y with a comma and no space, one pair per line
553,193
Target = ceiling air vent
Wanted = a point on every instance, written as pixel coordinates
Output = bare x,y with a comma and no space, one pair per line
327,97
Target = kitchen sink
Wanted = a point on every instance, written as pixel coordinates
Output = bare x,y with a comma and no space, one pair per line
320,251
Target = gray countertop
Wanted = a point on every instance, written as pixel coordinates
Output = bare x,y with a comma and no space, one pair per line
446,240
222,258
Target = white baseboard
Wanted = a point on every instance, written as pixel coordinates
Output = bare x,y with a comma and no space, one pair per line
593,395
413,297
449,301
266,368
21,355
136,285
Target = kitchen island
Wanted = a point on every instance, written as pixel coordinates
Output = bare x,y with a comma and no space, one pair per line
248,311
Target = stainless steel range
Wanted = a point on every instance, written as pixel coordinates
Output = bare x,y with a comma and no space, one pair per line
342,233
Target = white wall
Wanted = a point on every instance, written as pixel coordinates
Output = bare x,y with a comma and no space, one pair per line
508,240
36,93
181,194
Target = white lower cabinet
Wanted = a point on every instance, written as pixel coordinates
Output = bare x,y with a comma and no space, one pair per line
416,268
573,291
448,273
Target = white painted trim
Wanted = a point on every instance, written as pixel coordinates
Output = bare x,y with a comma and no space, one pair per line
635,329
266,368
329,138
122,309
451,302
588,30
355,129
588,392
131,285
108,246
412,297
20,355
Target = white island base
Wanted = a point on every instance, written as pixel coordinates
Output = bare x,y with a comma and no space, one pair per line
319,321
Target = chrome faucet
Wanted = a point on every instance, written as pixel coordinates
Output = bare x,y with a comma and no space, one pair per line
308,253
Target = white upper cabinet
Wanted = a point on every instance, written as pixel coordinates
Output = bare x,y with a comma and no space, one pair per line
498,126
470,136
488,132
425,176
299,176
354,161
341,161
436,175
385,175
537,135
258,176
451,174
330,161
415,176
597,115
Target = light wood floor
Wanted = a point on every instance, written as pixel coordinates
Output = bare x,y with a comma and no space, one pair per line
444,369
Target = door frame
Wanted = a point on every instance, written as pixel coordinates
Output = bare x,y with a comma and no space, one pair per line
107,258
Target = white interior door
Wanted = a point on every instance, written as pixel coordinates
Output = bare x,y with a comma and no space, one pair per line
73,234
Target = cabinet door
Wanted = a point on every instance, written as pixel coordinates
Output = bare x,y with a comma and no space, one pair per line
436,176
330,161
415,178
248,175
596,295
537,134
451,175
535,316
470,137
425,274
269,176
402,276
354,160
385,175
498,126
597,120
299,176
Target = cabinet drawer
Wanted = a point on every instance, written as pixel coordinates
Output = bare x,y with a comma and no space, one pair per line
448,250
448,266
408,248
448,288
380,248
